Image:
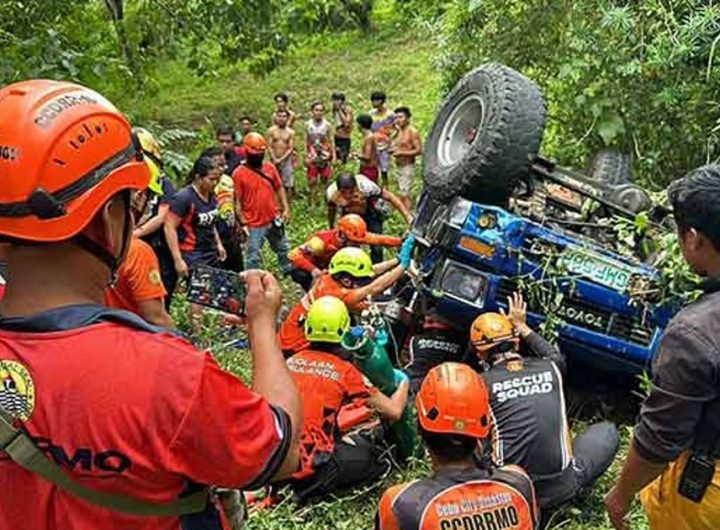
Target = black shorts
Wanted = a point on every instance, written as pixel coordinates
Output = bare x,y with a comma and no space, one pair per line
342,149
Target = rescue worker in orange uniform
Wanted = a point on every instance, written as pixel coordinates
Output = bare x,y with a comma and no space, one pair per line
312,258
352,278
327,380
104,418
453,417
139,287
528,405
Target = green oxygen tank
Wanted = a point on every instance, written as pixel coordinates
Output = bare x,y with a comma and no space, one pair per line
370,355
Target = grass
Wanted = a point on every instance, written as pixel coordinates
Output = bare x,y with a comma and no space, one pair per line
400,62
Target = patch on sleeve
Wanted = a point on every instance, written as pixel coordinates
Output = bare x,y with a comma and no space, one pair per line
154,277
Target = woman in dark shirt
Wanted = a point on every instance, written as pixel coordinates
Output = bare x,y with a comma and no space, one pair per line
191,225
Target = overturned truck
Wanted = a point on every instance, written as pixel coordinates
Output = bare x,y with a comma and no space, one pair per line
495,217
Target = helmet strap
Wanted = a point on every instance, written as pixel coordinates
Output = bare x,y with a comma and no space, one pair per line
99,251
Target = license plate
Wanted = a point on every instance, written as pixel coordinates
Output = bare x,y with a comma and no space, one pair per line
597,269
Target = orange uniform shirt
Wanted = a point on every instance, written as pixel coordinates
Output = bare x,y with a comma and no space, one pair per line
326,383
317,251
138,279
474,499
292,331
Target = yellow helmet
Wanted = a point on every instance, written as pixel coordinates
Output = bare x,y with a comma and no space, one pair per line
353,261
153,158
327,320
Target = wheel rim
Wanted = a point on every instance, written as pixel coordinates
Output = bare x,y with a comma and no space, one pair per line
460,130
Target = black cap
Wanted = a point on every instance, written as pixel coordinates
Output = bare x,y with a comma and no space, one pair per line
346,181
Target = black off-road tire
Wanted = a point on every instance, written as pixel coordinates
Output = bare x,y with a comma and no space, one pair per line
611,167
488,129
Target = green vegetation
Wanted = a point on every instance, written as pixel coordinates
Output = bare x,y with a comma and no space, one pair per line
644,77
641,76
401,63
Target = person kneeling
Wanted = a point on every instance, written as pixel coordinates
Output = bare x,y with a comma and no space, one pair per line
327,380
453,416
528,404
352,278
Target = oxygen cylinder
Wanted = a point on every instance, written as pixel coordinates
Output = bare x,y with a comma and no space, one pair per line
370,356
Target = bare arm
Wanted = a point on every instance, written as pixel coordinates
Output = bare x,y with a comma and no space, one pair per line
331,141
171,224
415,147
365,154
291,148
636,474
153,224
284,204
271,378
331,212
384,266
391,408
154,312
347,117
398,204
271,143
378,286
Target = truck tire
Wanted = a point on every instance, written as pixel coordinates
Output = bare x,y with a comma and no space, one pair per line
611,166
482,140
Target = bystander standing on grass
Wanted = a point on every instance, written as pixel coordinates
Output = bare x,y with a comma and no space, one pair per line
673,456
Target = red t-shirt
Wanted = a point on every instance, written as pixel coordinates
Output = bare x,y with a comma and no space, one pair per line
326,383
129,411
138,279
256,195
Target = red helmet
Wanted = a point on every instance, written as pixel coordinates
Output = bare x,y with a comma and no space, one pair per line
254,143
64,152
353,227
453,399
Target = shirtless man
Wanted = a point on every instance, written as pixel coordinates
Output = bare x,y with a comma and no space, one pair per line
282,102
406,146
319,149
343,121
282,143
383,123
368,155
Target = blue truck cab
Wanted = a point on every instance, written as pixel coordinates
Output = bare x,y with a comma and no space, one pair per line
473,256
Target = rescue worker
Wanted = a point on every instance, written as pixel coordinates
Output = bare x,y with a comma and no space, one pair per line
327,380
150,227
453,416
528,407
113,410
673,456
352,278
437,342
139,287
310,259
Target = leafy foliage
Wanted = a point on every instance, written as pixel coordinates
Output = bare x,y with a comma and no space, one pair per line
82,41
641,76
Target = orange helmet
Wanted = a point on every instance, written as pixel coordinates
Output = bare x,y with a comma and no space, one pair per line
489,330
254,143
453,399
64,152
353,227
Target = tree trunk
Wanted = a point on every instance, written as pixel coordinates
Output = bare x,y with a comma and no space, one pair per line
117,13
361,11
